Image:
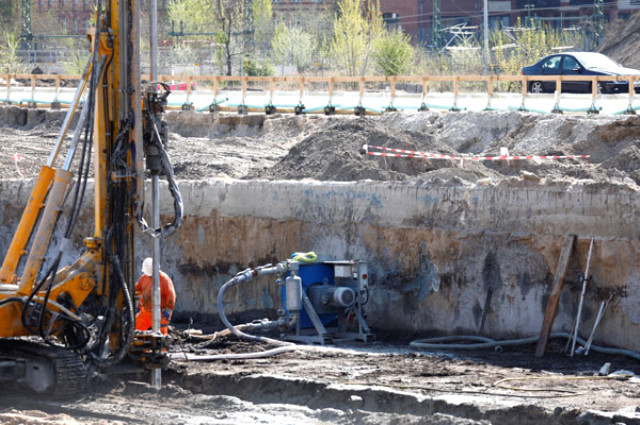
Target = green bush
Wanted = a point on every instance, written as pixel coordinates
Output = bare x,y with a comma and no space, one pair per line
252,69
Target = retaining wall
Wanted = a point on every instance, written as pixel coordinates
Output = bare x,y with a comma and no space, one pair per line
434,250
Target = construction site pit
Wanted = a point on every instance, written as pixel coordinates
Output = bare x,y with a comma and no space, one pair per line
462,234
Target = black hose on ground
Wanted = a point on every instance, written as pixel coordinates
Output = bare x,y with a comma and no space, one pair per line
478,342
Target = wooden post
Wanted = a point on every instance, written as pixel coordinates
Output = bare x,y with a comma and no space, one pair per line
33,87
425,83
330,90
55,97
392,89
189,80
554,296
272,87
244,89
301,88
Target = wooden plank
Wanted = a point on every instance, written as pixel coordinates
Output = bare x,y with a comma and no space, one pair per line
554,296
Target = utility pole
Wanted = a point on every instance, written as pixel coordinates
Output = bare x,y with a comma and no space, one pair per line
27,35
529,7
436,25
598,21
486,36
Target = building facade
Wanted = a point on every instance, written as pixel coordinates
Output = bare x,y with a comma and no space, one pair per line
72,16
416,17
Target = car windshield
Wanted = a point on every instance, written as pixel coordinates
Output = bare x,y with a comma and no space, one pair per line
596,60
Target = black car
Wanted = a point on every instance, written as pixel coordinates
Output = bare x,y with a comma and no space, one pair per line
579,63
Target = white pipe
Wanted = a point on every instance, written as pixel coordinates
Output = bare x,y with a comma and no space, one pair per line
156,377
238,356
603,307
486,36
584,290
153,35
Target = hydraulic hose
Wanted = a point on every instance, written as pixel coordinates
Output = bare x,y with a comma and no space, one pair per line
167,168
237,356
479,342
305,257
241,277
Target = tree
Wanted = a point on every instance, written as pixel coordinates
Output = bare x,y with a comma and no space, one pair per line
9,60
262,17
394,53
293,45
196,15
356,31
230,35
10,19
524,45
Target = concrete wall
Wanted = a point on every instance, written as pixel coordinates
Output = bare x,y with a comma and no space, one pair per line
433,250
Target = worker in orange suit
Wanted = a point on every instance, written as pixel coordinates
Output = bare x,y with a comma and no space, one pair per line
144,291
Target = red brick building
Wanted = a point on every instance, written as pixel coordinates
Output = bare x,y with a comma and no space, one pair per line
72,16
415,17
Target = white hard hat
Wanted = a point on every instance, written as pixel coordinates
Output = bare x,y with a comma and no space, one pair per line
147,266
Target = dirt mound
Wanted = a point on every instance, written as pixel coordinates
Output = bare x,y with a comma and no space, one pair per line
337,154
205,146
622,41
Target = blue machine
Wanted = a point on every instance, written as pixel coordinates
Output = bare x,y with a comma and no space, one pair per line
326,299
313,274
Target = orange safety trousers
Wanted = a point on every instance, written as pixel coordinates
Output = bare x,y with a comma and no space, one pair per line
144,321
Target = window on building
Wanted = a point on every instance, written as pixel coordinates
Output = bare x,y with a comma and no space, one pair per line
522,4
392,20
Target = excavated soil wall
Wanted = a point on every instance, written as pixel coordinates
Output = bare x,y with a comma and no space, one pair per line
434,250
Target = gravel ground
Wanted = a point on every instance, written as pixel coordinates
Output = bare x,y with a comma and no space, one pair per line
376,384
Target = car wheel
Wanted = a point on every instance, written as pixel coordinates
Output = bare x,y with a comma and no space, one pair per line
536,87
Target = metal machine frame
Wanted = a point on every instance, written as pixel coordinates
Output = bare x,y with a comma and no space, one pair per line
345,273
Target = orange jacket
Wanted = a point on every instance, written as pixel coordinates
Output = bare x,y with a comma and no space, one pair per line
167,291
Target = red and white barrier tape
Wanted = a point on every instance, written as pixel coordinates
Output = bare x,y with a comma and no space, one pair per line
16,158
402,153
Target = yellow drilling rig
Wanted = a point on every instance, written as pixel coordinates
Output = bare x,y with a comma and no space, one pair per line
57,321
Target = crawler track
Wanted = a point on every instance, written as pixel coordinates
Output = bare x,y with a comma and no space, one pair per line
69,373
